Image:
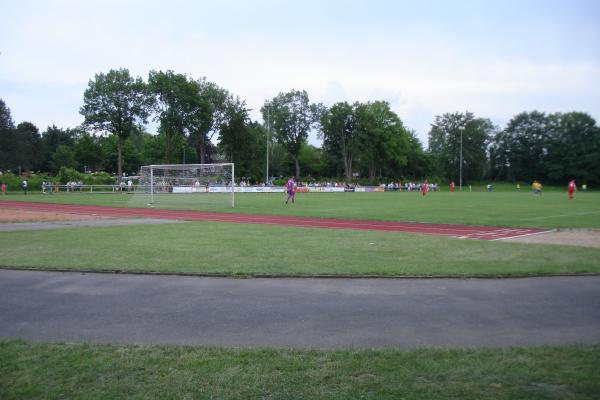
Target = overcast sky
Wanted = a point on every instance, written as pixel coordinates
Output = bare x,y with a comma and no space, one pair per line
493,58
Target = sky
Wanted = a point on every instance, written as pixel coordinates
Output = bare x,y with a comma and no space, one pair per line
426,58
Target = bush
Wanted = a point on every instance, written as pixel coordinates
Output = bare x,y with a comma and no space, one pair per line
66,174
13,181
99,178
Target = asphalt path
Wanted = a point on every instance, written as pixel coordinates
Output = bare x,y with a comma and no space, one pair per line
299,313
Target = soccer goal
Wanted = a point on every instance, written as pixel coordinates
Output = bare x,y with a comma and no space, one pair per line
183,183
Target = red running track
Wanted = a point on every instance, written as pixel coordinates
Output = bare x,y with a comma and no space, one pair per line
458,231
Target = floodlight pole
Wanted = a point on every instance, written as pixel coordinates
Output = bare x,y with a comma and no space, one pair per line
461,158
268,106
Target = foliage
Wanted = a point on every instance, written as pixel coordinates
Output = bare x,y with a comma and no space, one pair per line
362,142
88,152
225,113
181,110
98,178
452,133
66,174
115,102
291,117
52,139
340,134
312,161
6,121
552,148
383,140
243,143
131,157
21,147
64,156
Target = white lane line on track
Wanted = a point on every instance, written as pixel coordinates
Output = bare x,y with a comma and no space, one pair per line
527,234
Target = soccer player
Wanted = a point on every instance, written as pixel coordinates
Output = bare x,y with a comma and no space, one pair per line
572,188
424,187
291,190
537,188
452,186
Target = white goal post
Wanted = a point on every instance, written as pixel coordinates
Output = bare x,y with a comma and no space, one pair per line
187,179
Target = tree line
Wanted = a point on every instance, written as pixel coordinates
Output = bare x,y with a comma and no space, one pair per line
200,122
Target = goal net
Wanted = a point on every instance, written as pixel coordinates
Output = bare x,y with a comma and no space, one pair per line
188,183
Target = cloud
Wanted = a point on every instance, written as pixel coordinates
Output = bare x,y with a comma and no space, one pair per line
61,45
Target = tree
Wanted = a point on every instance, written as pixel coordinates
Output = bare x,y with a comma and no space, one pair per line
7,127
52,138
6,121
312,161
131,157
554,148
383,140
418,162
519,152
29,151
153,149
291,118
63,157
87,152
182,112
115,103
445,145
340,134
575,152
223,109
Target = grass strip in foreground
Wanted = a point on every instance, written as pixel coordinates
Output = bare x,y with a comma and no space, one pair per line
241,249
88,371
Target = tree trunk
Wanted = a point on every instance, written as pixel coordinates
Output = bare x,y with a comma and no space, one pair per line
200,146
201,152
372,171
348,166
297,168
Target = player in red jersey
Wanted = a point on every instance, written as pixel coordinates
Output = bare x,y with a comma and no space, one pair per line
424,187
572,188
452,186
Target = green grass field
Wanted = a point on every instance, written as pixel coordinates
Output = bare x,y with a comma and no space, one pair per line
90,371
55,370
517,209
244,249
